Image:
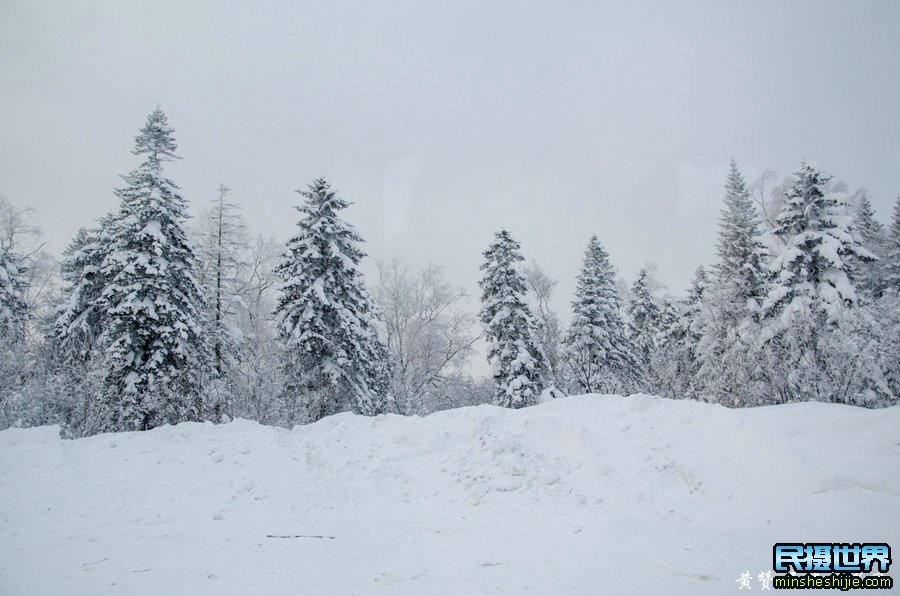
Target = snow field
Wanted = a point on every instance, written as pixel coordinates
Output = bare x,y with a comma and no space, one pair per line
583,495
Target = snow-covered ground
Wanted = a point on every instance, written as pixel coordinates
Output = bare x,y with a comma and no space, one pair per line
584,495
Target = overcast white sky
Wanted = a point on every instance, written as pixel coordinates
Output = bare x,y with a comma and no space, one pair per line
444,121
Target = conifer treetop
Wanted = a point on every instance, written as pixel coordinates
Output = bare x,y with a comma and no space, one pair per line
156,138
320,221
595,291
864,216
739,269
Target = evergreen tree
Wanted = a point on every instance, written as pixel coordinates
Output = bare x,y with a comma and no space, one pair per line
667,362
892,252
13,308
867,226
812,276
731,299
869,275
15,359
740,270
334,360
694,326
156,352
718,335
692,320
516,363
77,365
809,331
79,321
643,328
596,347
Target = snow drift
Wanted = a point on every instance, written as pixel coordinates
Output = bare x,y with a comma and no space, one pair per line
584,495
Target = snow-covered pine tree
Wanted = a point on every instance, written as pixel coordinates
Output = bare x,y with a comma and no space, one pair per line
807,325
692,317
740,271
597,350
15,362
333,358
516,363
885,311
77,362
867,226
79,322
732,301
693,335
869,277
642,329
13,308
812,276
156,353
666,366
892,252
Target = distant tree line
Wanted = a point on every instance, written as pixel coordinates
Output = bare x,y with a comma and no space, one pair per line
146,321
802,304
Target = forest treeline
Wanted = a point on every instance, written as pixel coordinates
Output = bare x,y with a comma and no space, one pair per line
148,321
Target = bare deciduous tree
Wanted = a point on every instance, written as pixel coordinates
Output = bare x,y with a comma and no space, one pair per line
426,332
549,336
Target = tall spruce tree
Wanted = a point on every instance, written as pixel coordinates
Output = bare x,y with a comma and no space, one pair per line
643,328
333,358
740,270
155,349
810,328
15,361
13,308
516,363
692,318
869,278
693,335
886,310
892,252
733,297
597,351
79,322
813,275
78,329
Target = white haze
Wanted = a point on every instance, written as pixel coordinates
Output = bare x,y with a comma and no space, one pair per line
445,122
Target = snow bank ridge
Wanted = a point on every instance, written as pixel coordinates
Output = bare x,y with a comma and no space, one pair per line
593,451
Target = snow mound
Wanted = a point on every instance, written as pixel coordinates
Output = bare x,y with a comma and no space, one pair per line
580,495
